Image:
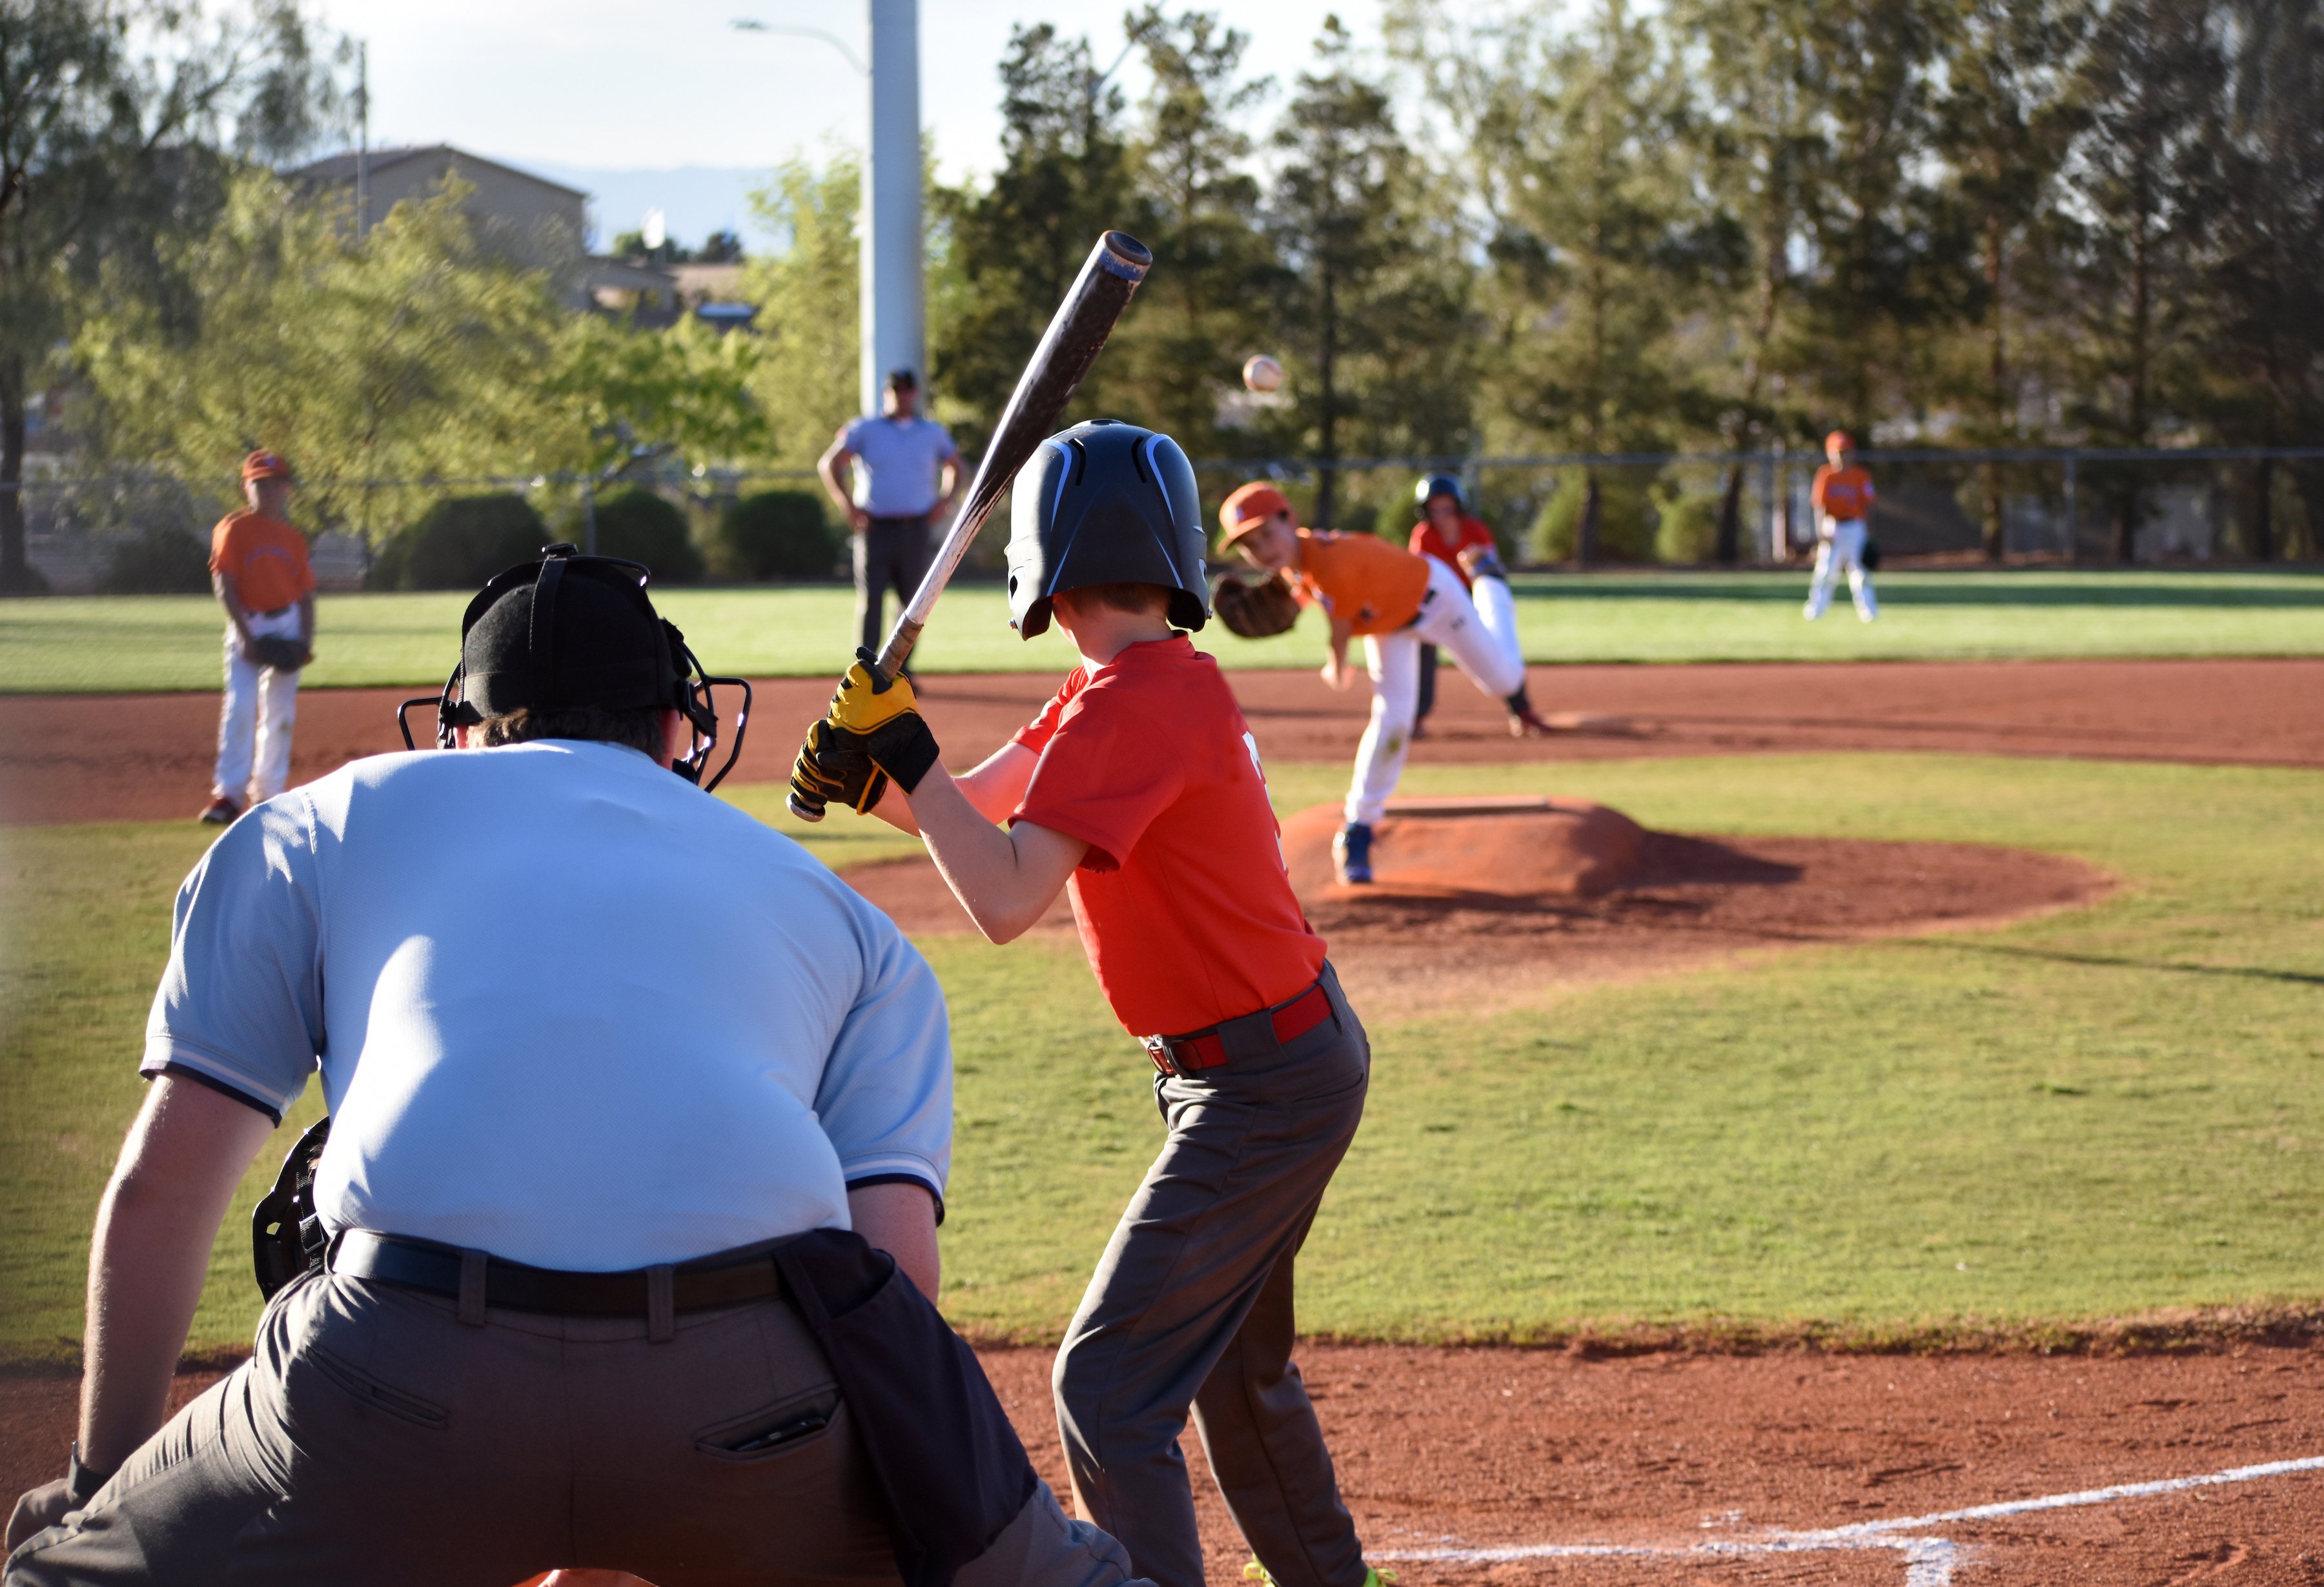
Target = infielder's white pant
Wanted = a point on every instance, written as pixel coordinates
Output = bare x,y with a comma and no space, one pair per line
255,717
1842,548
1480,633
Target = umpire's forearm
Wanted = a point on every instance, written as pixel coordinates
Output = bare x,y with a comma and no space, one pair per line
161,1214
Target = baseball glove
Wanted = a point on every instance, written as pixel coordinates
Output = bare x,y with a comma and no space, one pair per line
284,656
1255,612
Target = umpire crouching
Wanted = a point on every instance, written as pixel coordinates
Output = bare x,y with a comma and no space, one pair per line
640,1125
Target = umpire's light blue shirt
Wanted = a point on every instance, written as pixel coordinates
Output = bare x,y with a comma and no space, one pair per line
899,463
568,1009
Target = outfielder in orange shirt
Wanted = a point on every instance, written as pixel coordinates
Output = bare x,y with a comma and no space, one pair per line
1842,497
262,577
1446,532
1395,601
1138,791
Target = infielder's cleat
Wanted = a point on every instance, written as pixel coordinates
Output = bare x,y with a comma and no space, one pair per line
1482,562
1352,852
1527,724
220,811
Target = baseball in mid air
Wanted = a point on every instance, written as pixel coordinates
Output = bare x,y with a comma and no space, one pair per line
1261,374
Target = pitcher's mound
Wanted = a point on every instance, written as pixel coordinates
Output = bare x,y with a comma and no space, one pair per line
1519,847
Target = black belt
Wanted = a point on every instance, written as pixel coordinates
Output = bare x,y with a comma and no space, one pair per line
423,1264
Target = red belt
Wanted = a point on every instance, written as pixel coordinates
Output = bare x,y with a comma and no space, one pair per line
1206,1049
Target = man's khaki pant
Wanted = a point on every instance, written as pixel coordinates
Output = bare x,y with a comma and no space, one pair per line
374,1440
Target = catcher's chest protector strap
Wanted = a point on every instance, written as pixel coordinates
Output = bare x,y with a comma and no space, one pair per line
949,1464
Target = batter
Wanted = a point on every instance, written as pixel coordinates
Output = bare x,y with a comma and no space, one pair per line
1138,791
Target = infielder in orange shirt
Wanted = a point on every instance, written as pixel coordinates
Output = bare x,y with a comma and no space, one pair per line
1395,601
1842,497
260,572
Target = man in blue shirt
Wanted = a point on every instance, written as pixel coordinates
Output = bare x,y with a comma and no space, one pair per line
906,470
606,1060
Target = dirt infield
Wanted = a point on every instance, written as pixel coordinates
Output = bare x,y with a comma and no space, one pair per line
1718,1469
1469,939
147,756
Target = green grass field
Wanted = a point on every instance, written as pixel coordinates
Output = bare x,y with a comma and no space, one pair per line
2093,1115
171,641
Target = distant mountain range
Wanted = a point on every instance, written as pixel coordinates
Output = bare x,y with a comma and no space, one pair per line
695,200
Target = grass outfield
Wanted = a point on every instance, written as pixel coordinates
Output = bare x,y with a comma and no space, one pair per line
2102,1112
171,641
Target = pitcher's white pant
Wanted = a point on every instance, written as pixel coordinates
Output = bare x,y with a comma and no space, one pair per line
1842,548
255,717
1480,633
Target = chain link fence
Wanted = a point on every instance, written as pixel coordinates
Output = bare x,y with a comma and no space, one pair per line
130,530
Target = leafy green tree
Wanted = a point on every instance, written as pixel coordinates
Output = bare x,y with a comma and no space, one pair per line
120,122
1572,138
2143,87
806,289
1015,244
2259,220
1215,272
1375,302
614,389
410,356
2004,124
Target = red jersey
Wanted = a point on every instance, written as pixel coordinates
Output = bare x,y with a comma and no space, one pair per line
1468,532
1185,907
1842,494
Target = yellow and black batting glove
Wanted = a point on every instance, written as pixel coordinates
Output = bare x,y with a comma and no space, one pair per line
829,772
882,719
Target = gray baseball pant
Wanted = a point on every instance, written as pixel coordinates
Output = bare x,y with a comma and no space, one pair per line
373,1440
1191,1307
893,552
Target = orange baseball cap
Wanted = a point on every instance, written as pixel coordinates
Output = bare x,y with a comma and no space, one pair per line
1249,507
1839,441
265,465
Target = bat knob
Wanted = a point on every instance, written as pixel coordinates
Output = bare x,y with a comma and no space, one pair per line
803,811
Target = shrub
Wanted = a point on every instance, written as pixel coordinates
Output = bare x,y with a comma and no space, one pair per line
647,527
774,534
1688,527
459,543
1626,523
164,560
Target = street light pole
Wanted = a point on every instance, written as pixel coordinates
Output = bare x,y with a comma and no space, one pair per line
894,315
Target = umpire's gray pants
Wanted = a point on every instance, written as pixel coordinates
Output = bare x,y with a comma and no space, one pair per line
373,1440
1192,1306
893,552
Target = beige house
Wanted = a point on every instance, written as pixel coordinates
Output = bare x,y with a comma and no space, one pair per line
517,215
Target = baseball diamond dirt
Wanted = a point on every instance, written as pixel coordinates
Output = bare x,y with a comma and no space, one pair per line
143,757
2127,1461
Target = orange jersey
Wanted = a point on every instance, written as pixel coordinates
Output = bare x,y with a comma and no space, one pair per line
1185,909
265,557
1843,494
1468,532
1360,579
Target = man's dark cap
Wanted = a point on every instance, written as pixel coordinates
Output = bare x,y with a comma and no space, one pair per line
566,631
903,379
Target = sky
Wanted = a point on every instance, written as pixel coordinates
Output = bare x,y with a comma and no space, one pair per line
598,92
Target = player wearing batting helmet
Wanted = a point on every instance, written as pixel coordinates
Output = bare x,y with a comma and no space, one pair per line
1446,532
615,1250
1396,602
1138,790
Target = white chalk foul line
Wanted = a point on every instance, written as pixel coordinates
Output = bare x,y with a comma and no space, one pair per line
1928,1561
